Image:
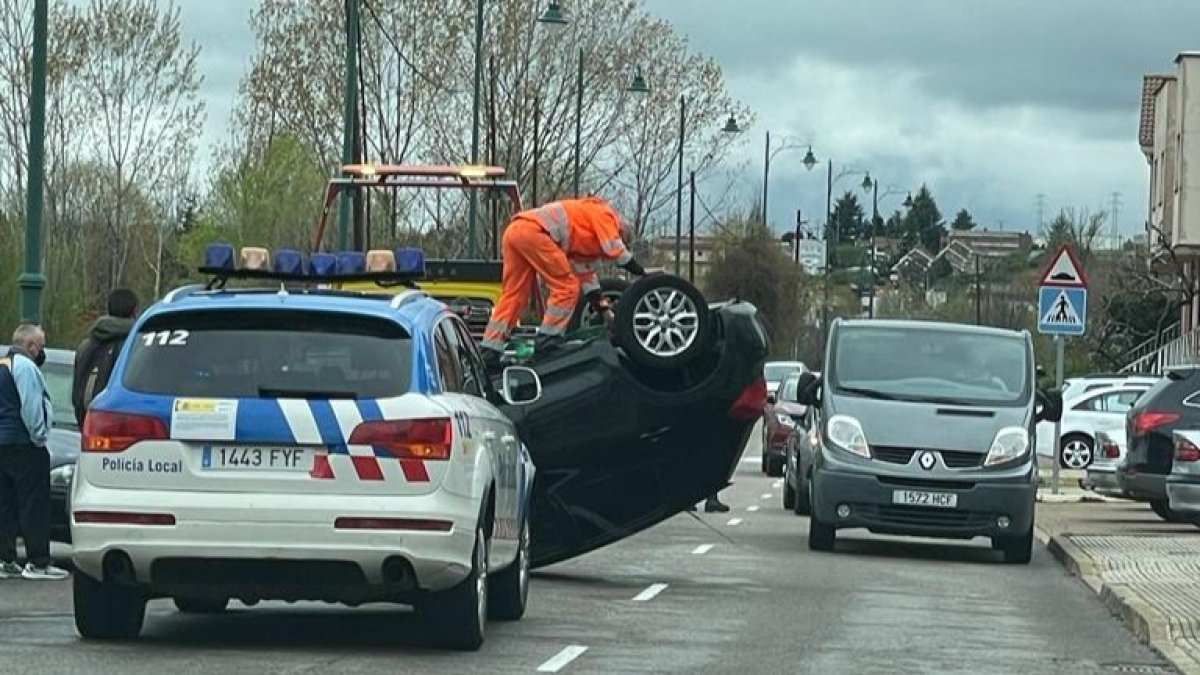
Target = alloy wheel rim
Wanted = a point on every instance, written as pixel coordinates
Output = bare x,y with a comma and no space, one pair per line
588,316
1077,454
666,322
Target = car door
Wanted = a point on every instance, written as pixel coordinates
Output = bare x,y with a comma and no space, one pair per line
496,435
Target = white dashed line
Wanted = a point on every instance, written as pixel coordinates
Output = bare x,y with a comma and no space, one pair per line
650,592
561,659
777,484
766,495
734,522
702,549
750,460
752,509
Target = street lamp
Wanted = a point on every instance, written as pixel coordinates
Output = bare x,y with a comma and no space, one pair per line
809,162
32,281
731,127
868,184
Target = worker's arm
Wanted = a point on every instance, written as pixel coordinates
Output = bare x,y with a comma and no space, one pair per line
614,249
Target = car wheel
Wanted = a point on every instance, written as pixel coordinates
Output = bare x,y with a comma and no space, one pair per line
1163,510
1017,550
821,535
774,467
509,588
789,492
107,611
803,505
583,316
201,605
456,618
662,322
766,468
1077,451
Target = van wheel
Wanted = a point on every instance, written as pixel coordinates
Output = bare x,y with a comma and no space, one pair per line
509,588
821,535
1017,550
107,611
201,605
803,505
456,617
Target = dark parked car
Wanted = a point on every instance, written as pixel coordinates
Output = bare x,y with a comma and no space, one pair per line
1170,405
64,442
780,417
798,459
927,431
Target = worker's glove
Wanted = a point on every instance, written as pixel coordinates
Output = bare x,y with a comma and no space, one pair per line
598,302
635,268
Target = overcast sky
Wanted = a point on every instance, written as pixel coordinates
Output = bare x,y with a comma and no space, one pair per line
989,102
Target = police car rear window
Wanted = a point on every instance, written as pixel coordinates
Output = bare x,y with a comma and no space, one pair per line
270,354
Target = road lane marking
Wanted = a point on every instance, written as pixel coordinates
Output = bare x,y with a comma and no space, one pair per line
702,549
752,508
734,522
777,484
561,659
766,495
651,591
750,460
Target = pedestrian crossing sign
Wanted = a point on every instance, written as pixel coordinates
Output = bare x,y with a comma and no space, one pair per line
1062,310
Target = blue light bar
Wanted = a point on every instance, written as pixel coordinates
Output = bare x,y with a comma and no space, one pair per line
322,264
410,261
219,256
289,261
351,262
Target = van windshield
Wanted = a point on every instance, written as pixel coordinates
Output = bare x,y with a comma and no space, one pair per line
931,364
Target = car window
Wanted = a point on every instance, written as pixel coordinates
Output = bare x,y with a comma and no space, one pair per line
474,374
59,377
1113,402
445,343
269,353
787,390
778,371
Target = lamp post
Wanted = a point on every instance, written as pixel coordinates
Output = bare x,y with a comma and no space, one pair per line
873,185
32,281
831,237
349,121
731,127
809,162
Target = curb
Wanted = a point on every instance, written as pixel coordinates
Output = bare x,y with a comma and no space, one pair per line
1123,601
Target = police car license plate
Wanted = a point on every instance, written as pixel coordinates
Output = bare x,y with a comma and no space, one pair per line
256,458
944,500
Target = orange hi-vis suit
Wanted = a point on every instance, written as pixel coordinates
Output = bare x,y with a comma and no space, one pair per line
559,242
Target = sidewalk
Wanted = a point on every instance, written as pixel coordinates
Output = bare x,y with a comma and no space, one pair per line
1146,571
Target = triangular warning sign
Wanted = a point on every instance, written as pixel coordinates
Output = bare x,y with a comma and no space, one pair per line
1065,270
1061,312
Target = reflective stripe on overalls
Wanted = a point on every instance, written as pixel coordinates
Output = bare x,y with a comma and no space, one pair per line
495,336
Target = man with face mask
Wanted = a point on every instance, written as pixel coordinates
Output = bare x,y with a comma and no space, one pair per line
25,415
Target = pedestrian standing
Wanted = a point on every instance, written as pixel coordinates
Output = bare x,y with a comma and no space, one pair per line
96,355
25,414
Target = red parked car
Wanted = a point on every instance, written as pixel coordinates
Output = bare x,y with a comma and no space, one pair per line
780,417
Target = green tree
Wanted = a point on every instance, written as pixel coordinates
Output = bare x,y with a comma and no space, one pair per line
848,217
963,221
923,224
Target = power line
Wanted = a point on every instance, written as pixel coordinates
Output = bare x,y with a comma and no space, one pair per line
399,52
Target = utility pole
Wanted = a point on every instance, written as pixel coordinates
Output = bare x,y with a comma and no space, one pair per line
349,118
473,196
766,182
796,236
830,244
579,125
978,293
692,229
1115,219
679,187
32,281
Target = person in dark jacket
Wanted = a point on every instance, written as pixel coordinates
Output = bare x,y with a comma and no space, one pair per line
25,414
96,354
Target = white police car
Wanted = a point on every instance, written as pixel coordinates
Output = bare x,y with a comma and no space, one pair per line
303,444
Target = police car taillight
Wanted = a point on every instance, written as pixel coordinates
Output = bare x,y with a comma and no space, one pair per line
105,431
429,438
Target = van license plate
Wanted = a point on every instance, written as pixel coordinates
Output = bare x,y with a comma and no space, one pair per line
943,500
243,458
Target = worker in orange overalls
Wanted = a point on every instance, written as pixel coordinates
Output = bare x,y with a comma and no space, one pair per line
559,242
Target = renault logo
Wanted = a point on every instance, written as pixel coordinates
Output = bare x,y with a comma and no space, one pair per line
926,460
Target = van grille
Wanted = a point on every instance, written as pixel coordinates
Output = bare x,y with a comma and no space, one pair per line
955,459
892,455
921,516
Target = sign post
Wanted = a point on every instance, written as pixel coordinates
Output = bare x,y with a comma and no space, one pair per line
1062,312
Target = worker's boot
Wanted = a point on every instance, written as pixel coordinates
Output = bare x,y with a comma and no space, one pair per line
714,505
547,345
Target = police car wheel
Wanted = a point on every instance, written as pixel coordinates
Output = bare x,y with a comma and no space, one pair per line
107,611
201,605
662,322
456,618
509,588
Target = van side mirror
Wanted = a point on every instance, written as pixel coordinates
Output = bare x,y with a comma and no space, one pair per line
1048,406
808,390
520,385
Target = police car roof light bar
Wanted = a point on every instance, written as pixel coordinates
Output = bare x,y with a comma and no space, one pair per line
404,266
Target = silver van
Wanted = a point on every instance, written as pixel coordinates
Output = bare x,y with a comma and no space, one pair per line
927,430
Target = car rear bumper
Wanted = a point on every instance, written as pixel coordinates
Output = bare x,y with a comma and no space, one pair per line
1146,487
870,498
1184,493
257,546
1103,481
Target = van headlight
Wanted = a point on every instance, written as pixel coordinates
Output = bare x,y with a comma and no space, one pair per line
1010,444
62,476
846,433
785,420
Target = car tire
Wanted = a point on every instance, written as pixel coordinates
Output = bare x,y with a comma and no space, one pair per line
821,535
1017,550
509,588
201,605
456,618
766,468
668,297
611,288
789,492
1163,510
774,467
803,505
107,611
1080,445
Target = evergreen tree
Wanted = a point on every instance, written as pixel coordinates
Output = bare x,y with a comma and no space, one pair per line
963,221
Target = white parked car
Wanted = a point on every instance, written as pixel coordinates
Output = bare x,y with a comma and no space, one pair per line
1082,415
1075,386
775,371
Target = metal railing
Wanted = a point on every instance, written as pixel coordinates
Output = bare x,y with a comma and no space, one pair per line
1170,348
